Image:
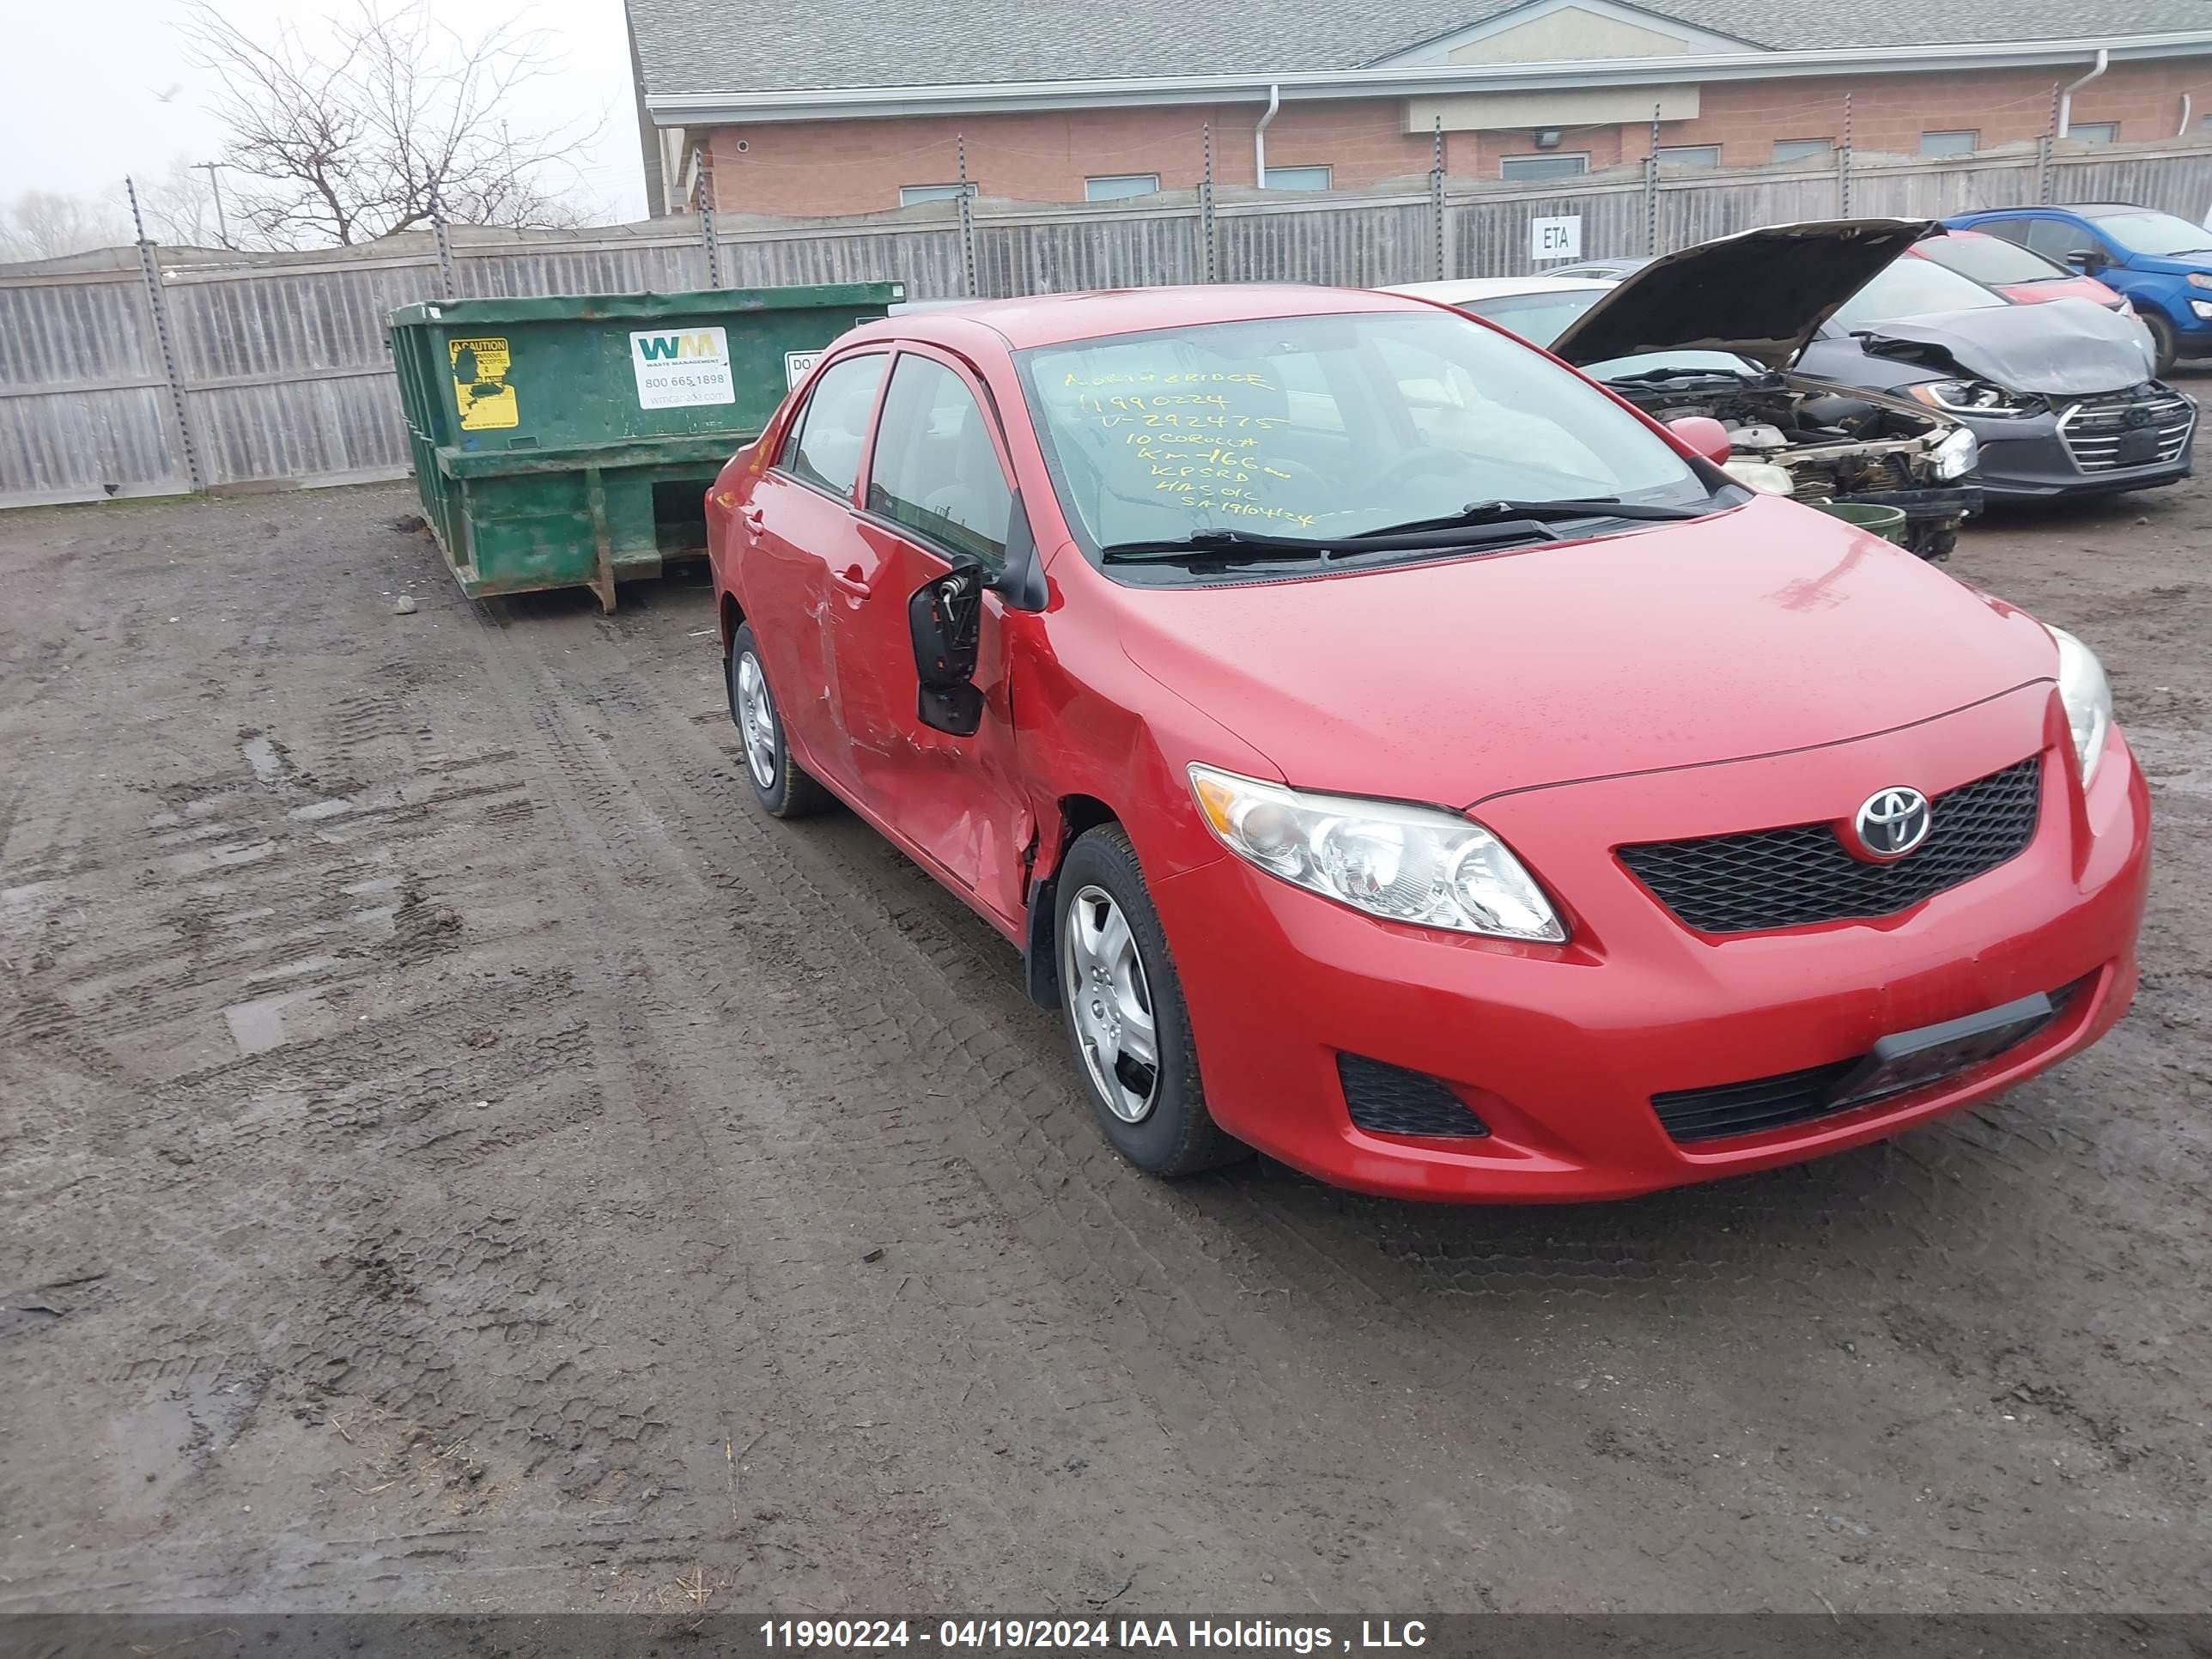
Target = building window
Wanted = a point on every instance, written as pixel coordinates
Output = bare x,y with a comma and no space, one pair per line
1803,149
1542,166
1114,186
909,194
1950,143
1298,179
2094,132
1690,156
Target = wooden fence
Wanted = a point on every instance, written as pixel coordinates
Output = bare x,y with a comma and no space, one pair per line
146,371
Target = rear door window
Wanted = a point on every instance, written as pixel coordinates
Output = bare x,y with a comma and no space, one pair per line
825,442
936,470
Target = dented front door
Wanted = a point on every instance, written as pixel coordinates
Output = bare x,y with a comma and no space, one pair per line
937,492
957,800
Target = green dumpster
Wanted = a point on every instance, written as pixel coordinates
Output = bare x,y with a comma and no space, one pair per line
568,440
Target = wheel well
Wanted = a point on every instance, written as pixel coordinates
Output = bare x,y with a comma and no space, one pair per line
733,618
1079,814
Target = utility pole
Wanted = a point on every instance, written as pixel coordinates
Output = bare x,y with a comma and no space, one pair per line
215,183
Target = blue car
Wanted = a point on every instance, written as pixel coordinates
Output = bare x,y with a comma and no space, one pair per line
2160,261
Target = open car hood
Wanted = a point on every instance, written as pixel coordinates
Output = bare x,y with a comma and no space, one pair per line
2062,348
1759,293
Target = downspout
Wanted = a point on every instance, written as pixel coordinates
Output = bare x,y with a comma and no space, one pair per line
1259,137
2066,96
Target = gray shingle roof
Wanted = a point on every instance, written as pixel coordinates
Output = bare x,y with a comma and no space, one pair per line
760,45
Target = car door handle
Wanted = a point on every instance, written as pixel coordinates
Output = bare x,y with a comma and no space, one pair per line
852,582
755,519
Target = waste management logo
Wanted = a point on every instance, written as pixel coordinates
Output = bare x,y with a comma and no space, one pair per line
681,367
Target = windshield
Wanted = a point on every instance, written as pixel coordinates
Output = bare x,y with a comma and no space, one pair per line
2157,233
1912,287
1539,318
1991,259
1331,426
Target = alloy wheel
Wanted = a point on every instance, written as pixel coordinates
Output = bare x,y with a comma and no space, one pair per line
1103,980
756,720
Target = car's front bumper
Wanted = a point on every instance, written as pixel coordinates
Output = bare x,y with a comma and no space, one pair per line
1559,1050
2031,459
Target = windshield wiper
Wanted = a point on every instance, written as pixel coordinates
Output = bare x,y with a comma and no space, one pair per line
1225,546
1492,512
1215,546
1656,376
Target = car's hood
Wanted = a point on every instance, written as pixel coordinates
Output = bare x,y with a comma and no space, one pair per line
1765,629
1760,294
2062,348
2169,264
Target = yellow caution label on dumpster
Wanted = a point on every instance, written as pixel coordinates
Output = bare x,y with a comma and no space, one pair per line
480,389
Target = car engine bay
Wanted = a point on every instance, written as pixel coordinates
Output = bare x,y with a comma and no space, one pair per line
1832,443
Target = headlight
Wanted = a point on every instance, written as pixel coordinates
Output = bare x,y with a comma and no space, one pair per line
1414,864
1763,476
2198,279
2088,698
1975,398
1957,455
2126,307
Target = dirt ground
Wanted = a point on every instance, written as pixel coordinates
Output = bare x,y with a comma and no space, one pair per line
457,1154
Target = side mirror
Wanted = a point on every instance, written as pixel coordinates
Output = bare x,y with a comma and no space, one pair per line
942,617
1705,435
2088,261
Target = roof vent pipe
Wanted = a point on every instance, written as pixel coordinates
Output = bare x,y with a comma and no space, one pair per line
2066,97
1259,137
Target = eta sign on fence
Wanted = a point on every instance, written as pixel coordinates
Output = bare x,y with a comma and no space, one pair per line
1555,239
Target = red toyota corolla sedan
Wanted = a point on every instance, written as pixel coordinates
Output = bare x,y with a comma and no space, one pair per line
1392,752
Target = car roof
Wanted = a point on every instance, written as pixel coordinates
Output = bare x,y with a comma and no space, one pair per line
1470,288
1053,319
2101,209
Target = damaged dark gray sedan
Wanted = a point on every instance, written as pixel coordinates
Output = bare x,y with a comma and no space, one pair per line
2061,396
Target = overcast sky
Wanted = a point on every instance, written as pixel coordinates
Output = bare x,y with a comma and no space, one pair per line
95,111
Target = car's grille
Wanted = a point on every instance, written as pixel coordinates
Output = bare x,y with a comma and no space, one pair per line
1750,1108
2095,428
1795,877
1388,1100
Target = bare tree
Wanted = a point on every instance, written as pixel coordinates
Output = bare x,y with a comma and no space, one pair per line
395,118
45,224
180,207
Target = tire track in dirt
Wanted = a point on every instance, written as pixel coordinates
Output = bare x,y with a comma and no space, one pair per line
859,1166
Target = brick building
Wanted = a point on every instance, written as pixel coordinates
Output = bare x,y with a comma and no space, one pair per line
826,107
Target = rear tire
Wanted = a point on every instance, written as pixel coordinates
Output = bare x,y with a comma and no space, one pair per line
1124,1007
779,784
2163,338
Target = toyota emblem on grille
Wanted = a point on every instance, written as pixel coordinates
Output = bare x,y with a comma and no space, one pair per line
1892,822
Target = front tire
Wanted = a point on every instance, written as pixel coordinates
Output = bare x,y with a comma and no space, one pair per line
1124,1011
782,787
2163,338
